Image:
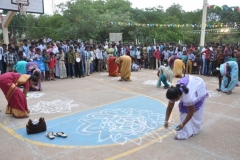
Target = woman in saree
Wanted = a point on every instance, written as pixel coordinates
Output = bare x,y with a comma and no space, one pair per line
165,75
124,64
227,76
192,92
17,103
177,66
112,67
20,67
33,69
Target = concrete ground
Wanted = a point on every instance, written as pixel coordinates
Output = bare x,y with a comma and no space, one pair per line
82,107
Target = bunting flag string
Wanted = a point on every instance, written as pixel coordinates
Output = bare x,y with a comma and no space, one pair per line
192,32
215,31
120,23
224,8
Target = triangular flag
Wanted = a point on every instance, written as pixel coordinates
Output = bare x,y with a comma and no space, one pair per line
214,7
226,8
239,9
233,9
209,7
221,8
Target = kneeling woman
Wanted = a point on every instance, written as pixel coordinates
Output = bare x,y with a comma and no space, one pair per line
33,69
112,67
228,76
165,74
192,92
17,103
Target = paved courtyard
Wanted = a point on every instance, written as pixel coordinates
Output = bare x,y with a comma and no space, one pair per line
108,119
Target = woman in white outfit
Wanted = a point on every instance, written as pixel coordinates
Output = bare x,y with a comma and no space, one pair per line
192,92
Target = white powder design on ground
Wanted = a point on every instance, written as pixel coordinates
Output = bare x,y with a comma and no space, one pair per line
122,125
34,95
55,106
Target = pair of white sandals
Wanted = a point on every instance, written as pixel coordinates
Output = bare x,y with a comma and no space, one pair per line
52,135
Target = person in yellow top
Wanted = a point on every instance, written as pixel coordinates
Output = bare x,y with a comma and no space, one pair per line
124,64
145,56
177,66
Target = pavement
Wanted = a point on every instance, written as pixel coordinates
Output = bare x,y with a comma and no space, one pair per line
108,119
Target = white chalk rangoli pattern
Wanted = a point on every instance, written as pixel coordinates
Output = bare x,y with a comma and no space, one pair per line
121,125
236,103
214,94
104,74
153,82
55,106
34,95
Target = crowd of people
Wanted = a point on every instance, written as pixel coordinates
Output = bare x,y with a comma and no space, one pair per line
70,59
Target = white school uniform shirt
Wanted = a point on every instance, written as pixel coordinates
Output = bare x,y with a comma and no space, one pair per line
99,54
138,53
203,55
30,56
132,53
179,54
25,49
93,55
5,55
36,57
55,50
41,47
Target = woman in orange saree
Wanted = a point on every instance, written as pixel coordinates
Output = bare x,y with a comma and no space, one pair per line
17,103
112,67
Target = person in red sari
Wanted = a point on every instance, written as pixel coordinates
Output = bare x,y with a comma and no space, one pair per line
112,67
17,102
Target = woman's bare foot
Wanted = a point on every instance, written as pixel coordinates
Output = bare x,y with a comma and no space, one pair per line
175,138
228,93
219,90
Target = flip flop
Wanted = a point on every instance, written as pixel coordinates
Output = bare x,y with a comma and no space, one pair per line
50,135
60,134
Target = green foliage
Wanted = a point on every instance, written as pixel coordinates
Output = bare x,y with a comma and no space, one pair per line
88,19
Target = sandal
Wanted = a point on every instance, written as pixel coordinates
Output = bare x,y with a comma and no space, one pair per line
60,134
165,87
120,80
50,135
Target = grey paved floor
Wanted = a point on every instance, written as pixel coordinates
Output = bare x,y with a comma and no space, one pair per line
219,138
